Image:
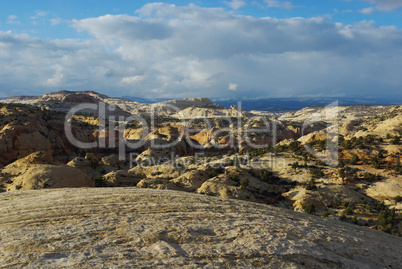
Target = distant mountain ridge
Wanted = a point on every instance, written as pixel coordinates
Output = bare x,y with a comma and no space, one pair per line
64,100
293,103
283,104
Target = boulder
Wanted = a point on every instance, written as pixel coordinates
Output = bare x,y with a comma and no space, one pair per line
121,178
79,162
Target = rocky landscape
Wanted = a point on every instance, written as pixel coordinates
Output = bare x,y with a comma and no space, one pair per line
338,162
143,228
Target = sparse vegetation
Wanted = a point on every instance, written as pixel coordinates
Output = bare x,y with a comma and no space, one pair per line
244,182
309,209
99,181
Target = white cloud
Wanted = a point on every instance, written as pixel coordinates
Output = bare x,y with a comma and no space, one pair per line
132,79
233,87
192,51
57,78
279,4
38,14
55,21
12,19
367,11
235,4
386,5
343,11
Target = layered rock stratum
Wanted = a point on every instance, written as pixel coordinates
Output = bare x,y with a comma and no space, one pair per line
143,228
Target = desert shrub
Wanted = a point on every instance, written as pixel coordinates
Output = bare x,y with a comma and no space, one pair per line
320,144
268,177
369,177
348,144
99,181
317,172
310,186
398,199
309,209
342,217
295,165
348,204
376,164
337,201
94,165
347,211
381,206
235,178
244,182
386,220
215,172
354,159
341,173
327,213
396,140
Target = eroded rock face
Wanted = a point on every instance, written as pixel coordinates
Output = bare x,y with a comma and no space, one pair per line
24,130
40,171
130,227
78,98
18,140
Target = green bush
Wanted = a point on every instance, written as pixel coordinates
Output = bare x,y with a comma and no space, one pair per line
295,165
327,213
267,177
317,173
396,140
381,206
369,177
309,209
99,181
215,172
347,211
354,159
386,220
310,186
244,182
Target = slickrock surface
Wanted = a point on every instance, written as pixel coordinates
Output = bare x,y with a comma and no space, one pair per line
133,228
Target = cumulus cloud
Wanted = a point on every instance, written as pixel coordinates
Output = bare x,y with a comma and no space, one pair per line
12,19
55,21
386,5
279,4
190,51
132,79
367,11
39,13
233,86
235,4
343,11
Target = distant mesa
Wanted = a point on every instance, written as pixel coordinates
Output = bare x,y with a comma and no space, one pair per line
78,98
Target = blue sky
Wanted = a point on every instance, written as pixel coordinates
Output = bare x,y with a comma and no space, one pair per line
174,49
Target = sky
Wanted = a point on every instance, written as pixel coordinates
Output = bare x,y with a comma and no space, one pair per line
216,49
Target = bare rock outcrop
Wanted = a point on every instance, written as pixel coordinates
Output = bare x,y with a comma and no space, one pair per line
38,171
130,227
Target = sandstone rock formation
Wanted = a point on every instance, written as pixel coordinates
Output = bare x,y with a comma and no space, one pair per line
24,130
129,227
39,171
